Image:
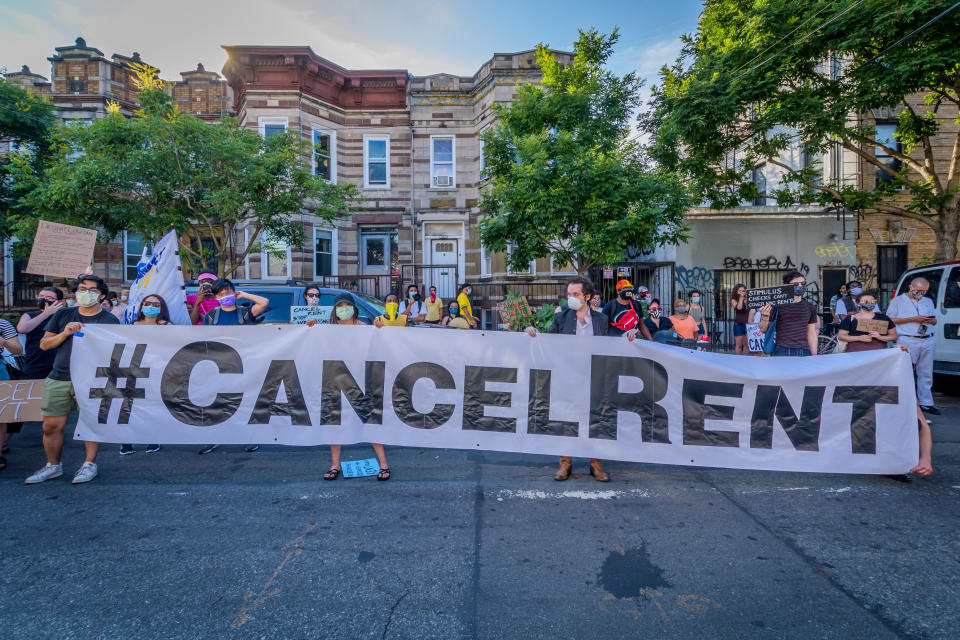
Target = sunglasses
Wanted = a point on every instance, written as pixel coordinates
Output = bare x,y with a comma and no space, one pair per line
312,296
150,304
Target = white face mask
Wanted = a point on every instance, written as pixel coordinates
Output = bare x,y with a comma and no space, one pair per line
574,303
87,298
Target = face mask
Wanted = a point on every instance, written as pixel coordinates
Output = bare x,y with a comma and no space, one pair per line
113,303
123,298
655,313
626,293
647,298
681,309
150,312
42,303
433,296
454,311
856,291
695,299
345,312
87,298
392,308
228,301
71,302
574,303
869,306
312,302
799,289
468,291
411,293
916,294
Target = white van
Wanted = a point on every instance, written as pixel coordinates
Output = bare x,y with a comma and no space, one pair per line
945,292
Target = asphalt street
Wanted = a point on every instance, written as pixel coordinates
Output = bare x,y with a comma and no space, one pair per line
473,545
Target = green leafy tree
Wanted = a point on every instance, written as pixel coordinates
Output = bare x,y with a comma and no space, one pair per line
164,169
27,121
761,77
565,180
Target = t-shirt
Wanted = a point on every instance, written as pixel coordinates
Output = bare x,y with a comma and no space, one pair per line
665,325
225,318
37,363
687,328
399,321
903,306
623,317
205,305
7,330
850,324
696,312
416,308
792,321
845,306
434,309
741,316
465,309
56,324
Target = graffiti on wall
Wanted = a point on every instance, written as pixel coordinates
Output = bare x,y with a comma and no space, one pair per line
690,278
835,251
770,263
863,273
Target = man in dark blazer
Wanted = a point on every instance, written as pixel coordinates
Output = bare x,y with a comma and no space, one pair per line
576,318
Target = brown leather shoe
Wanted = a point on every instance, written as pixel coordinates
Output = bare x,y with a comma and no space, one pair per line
596,470
564,471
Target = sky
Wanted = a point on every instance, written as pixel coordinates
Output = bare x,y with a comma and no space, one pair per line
421,36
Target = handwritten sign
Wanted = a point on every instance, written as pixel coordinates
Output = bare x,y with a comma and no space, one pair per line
360,468
513,312
302,314
866,326
20,400
774,296
61,250
755,338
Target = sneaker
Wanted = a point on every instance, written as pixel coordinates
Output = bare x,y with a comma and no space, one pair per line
208,449
126,449
250,448
49,472
152,448
86,473
932,410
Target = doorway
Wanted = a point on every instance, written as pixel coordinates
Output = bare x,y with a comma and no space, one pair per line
443,259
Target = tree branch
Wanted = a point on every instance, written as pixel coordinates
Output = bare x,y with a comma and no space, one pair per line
872,159
893,153
928,159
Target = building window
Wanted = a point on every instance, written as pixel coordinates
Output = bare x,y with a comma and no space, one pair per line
324,155
442,164
325,252
271,126
483,157
760,179
135,246
274,258
885,131
376,161
486,261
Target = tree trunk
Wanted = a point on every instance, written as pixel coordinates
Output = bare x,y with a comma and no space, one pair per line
947,235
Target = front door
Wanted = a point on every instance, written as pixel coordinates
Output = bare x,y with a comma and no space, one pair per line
443,274
375,254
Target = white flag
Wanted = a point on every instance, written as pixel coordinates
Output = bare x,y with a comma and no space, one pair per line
160,274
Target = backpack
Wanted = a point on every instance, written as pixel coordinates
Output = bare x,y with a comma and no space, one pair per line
245,316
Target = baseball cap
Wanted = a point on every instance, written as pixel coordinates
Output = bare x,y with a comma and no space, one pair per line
623,283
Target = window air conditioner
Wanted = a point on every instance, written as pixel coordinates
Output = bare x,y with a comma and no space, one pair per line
442,181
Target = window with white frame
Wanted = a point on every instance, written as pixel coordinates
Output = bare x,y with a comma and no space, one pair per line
325,252
272,125
486,261
376,161
134,247
274,258
324,154
442,161
531,268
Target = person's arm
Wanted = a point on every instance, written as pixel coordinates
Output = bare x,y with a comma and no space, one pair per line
812,338
765,312
13,345
28,324
52,340
259,302
418,318
925,463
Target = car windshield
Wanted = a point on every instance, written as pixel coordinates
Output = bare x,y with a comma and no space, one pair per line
373,302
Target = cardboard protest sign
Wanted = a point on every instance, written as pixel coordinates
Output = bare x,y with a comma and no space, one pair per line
512,311
755,338
774,296
866,326
360,468
20,400
303,314
61,250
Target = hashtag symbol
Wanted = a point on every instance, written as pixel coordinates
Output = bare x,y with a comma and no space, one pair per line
129,391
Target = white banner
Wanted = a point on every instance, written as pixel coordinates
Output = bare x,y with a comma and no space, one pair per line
160,274
559,395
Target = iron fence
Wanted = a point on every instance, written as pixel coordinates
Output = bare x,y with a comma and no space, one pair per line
375,286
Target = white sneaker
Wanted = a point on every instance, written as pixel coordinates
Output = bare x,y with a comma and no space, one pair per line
86,473
48,472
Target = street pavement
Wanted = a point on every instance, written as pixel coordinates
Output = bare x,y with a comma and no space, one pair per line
462,544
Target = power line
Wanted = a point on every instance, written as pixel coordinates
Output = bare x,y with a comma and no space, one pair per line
922,27
824,8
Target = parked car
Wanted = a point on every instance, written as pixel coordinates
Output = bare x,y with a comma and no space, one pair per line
284,295
945,293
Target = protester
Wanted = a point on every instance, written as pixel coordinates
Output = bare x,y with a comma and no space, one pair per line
466,309
227,314
153,311
925,463
391,316
452,318
695,309
841,293
204,300
37,362
311,295
643,297
659,327
10,342
434,307
847,305
625,312
120,308
576,318
70,299
913,313
412,306
741,318
58,396
345,312
858,340
108,300
683,323
795,331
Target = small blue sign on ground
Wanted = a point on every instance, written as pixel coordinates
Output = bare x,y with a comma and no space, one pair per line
360,468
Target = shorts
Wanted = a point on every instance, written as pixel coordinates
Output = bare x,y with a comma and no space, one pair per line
58,398
739,329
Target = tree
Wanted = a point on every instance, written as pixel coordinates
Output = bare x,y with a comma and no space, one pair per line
760,77
565,180
28,121
166,169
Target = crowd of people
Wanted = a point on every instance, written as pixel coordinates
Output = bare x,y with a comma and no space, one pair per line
633,313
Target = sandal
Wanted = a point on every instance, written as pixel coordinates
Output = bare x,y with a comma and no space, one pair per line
331,474
3,462
384,474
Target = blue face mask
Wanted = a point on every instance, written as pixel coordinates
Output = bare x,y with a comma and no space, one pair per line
150,312
799,290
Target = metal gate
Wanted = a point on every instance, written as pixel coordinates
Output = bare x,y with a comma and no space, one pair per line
442,276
